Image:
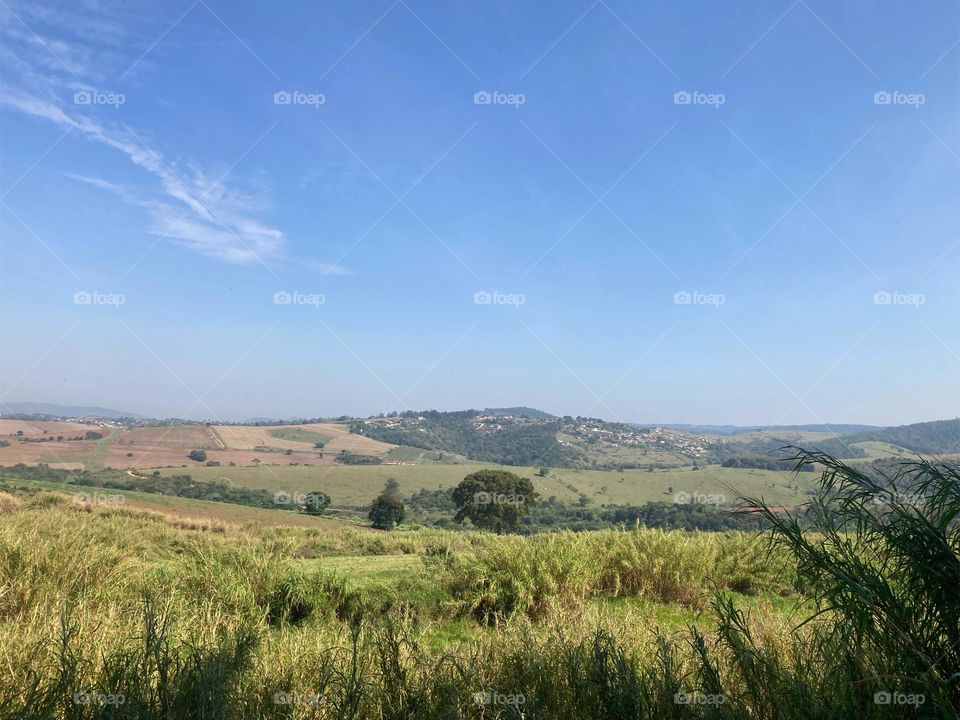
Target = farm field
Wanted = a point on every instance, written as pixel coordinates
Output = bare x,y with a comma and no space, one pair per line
356,485
162,446
44,428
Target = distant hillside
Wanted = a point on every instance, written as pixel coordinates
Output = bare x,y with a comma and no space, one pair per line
512,441
838,429
521,411
70,411
936,437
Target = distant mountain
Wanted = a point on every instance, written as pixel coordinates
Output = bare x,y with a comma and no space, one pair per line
521,411
839,429
32,408
936,437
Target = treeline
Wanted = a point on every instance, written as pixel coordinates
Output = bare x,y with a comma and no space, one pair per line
932,438
841,447
764,462
351,458
183,486
553,514
532,443
437,507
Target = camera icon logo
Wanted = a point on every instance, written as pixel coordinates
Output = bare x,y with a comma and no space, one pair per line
282,297
882,698
282,97
82,298
682,98
482,97
882,98
682,298
882,298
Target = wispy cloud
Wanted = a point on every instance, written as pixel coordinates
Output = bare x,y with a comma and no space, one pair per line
206,218
201,211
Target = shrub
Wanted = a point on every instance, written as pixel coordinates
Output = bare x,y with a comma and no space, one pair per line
8,503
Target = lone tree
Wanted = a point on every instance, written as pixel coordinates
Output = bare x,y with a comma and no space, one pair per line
198,455
316,502
494,500
387,511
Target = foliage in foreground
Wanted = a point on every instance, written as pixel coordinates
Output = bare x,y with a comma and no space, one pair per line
196,624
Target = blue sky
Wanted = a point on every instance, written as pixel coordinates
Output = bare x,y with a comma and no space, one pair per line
782,248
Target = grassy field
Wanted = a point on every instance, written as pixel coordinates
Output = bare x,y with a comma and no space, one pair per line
357,485
180,507
151,616
299,434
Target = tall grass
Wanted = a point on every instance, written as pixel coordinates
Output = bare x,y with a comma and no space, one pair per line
185,620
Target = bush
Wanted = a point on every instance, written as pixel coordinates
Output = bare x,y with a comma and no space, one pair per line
8,503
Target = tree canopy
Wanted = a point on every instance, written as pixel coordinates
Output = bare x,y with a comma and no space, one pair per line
494,500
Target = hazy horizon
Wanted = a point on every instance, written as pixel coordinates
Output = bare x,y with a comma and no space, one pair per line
222,210
302,416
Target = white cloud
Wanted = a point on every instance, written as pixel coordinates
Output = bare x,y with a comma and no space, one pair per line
209,219
194,210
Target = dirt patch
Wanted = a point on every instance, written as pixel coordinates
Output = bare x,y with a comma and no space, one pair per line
55,453
38,429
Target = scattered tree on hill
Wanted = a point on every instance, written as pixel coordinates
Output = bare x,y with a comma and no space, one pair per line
544,471
198,455
316,502
89,435
494,500
319,444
